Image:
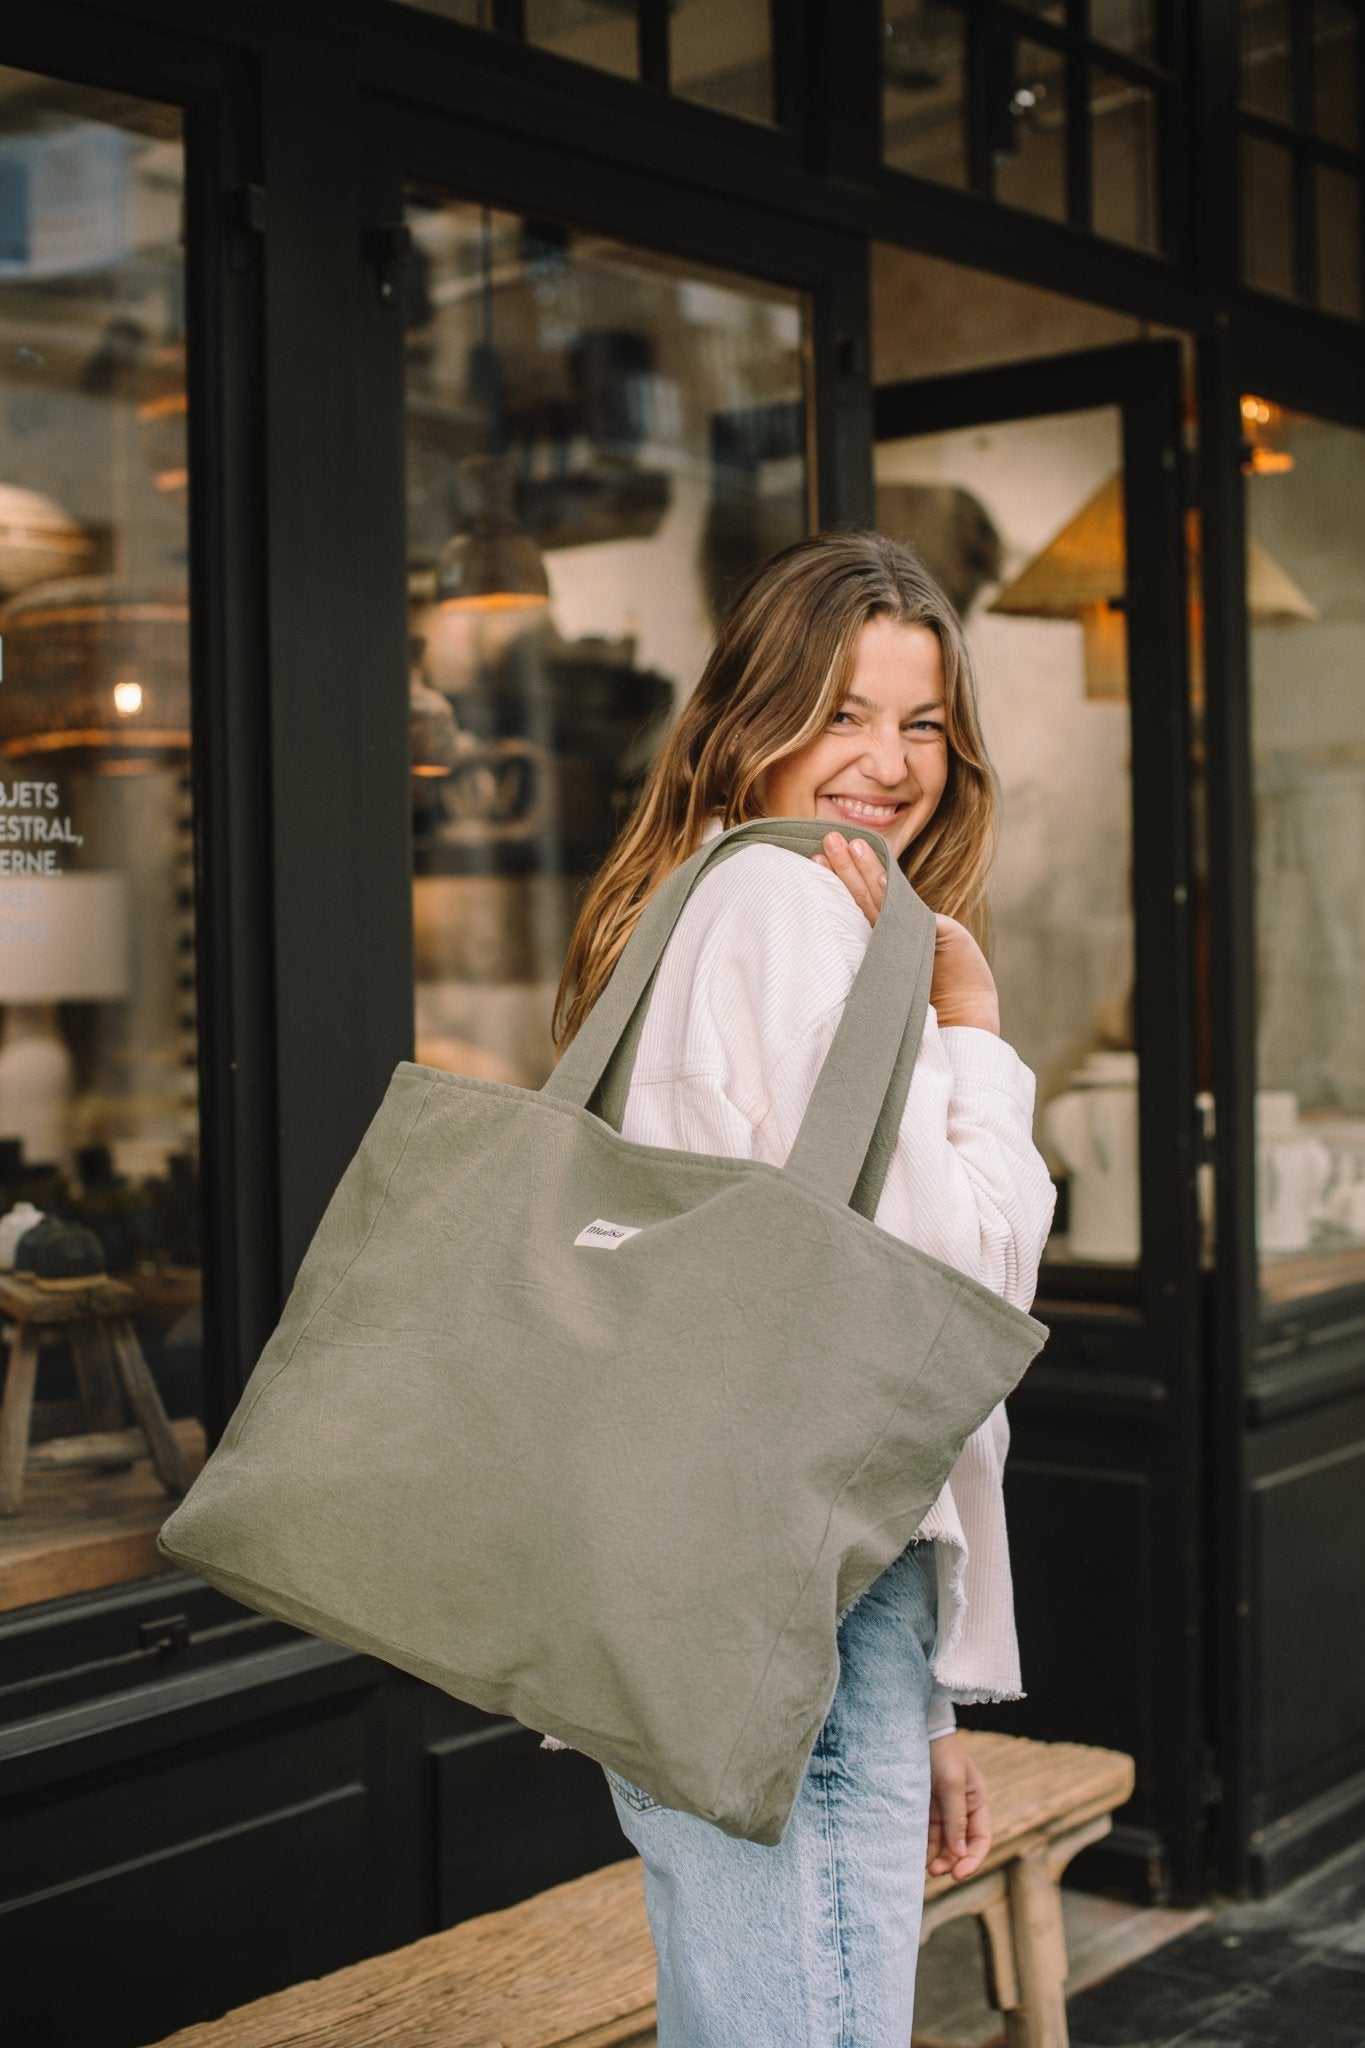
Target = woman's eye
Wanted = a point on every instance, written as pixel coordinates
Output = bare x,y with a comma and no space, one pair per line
928,725
842,714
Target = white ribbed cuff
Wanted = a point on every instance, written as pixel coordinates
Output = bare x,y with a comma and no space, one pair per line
986,1059
949,1729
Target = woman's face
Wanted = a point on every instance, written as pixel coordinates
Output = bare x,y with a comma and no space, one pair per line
882,761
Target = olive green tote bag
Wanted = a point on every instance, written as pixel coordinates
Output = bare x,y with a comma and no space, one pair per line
600,1435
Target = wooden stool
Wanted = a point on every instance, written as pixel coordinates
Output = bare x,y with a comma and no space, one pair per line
1048,1801
574,1967
95,1319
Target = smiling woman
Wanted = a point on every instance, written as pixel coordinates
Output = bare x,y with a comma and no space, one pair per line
839,689
773,730
883,759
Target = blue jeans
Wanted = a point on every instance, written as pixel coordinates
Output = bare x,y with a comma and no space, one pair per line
811,1944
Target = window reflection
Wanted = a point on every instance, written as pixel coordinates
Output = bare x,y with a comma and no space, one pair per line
924,84
1305,566
721,55
596,32
1023,524
600,441
99,1123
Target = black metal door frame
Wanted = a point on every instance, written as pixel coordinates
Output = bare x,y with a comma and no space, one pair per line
1143,382
213,86
1304,1364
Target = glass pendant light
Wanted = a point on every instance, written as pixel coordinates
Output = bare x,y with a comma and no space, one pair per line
492,564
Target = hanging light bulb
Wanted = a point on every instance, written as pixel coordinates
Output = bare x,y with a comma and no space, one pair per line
492,564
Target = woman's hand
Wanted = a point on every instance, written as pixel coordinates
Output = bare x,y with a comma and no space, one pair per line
858,868
963,989
959,1811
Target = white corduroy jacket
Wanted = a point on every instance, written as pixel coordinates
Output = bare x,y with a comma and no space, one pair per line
749,993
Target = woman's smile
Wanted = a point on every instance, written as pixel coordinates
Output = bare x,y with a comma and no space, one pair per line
863,810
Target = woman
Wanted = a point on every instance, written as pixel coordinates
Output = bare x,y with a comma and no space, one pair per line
839,688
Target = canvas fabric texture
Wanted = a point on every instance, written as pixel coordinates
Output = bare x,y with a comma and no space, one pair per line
612,1486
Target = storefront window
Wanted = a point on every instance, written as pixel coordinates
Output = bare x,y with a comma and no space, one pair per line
924,87
718,53
1124,165
1022,522
99,1126
590,31
1305,575
1300,160
721,55
600,441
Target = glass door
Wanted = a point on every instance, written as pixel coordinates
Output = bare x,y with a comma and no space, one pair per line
1304,483
1046,498
99,1111
600,437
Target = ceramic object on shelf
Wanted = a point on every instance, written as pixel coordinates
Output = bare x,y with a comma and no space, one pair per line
1343,1203
1293,1169
1093,1128
59,1255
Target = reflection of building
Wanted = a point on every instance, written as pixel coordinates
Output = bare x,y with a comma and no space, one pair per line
681,293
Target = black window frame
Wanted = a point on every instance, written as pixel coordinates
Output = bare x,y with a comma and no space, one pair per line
1308,151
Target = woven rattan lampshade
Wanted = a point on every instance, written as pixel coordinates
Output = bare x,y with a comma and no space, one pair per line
96,670
1081,574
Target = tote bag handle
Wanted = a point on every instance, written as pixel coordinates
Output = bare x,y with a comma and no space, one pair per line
849,1130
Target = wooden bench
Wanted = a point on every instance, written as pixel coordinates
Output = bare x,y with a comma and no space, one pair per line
574,1966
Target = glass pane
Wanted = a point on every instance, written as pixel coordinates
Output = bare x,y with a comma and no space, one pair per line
1336,94
1124,144
1267,71
472,13
924,89
1339,285
99,1125
1267,216
1125,25
600,441
1306,572
1023,525
721,55
602,33
929,316
1031,172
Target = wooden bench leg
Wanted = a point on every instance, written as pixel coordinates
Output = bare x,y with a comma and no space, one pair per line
997,1945
95,1375
145,1402
16,1416
1039,2018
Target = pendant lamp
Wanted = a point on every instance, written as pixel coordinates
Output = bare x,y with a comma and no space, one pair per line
491,564
1082,574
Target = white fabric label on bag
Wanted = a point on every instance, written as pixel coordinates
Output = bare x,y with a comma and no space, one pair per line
606,1237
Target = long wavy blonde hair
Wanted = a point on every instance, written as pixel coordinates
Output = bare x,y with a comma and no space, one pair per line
779,670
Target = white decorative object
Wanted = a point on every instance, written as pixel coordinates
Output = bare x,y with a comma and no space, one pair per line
1293,1168
1093,1128
64,938
13,1224
1344,1201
